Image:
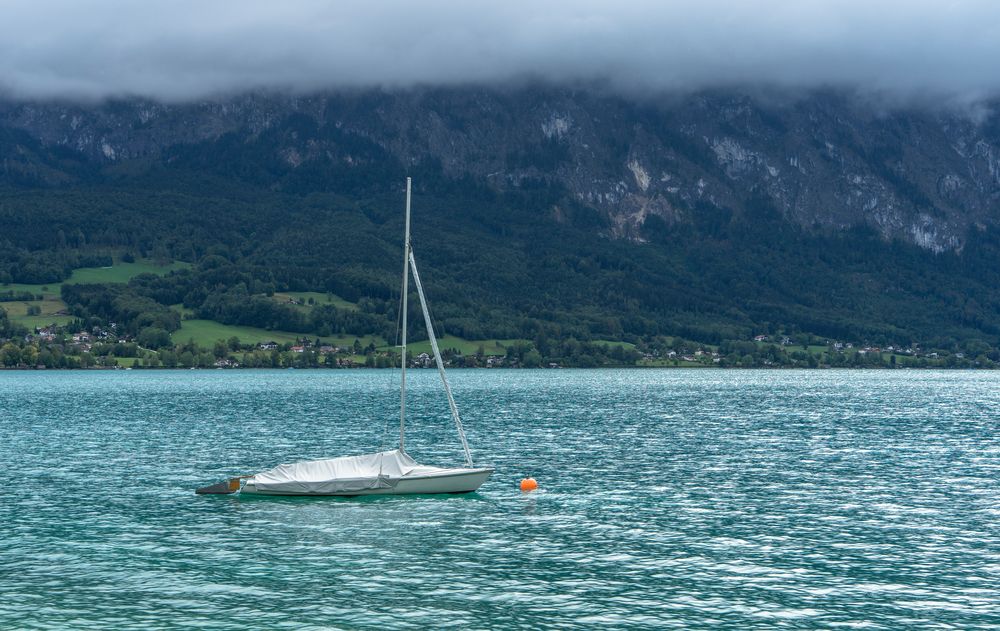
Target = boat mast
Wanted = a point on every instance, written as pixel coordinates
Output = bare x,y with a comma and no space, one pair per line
437,360
406,276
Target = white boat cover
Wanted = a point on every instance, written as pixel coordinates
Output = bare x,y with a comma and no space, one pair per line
380,470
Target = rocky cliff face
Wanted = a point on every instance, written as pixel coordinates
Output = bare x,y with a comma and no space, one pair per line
823,160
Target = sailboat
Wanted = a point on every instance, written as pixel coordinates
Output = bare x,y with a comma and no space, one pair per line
391,472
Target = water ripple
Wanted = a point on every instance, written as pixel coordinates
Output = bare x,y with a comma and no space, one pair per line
669,499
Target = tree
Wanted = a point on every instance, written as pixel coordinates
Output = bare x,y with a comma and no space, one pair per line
45,358
10,355
168,358
29,355
153,337
532,359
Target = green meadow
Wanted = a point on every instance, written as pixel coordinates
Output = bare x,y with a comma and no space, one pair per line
465,347
122,272
206,333
53,309
302,297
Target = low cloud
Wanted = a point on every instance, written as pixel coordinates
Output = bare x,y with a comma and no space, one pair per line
187,49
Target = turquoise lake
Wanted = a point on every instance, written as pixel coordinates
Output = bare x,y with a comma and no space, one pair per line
669,499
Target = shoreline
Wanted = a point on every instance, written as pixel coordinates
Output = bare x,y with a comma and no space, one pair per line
477,368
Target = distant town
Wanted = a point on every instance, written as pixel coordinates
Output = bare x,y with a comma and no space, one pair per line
72,347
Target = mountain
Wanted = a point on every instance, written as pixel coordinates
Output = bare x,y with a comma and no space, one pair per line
823,159
577,212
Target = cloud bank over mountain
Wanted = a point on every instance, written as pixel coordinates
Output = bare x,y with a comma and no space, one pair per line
188,49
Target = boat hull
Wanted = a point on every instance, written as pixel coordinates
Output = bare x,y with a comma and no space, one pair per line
453,481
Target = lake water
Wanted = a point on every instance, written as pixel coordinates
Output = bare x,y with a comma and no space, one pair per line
669,498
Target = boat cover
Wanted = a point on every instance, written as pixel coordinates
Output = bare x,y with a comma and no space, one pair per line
380,470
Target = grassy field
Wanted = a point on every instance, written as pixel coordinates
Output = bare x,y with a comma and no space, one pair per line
206,333
122,272
465,347
51,307
813,349
52,304
44,290
344,341
117,273
42,321
318,298
611,343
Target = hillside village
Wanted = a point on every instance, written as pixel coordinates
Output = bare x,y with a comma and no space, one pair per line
71,346
69,325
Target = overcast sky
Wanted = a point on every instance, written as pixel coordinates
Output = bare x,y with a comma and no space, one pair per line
196,48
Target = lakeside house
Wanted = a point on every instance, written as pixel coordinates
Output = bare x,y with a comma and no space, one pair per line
46,334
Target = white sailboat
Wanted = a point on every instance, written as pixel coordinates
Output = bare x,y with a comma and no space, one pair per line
391,472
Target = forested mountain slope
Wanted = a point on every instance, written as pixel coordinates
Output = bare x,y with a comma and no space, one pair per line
566,213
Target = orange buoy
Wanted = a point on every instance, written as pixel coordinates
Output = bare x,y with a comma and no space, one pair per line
529,484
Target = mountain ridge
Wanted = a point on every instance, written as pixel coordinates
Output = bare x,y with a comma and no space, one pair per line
822,159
